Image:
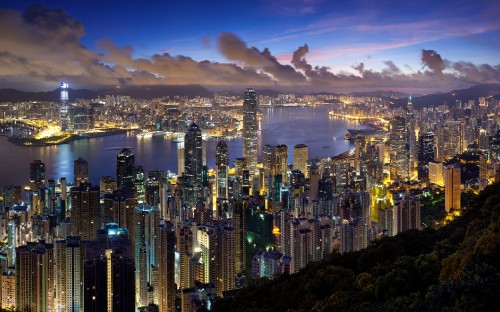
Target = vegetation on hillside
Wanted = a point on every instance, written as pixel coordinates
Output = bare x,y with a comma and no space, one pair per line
454,268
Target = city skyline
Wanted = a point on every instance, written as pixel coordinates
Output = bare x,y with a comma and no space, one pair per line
306,45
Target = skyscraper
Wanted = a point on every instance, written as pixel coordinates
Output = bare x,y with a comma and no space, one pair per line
221,174
69,274
81,171
166,260
282,162
452,187
63,109
300,157
411,140
85,211
125,170
406,214
250,130
399,149
37,172
193,164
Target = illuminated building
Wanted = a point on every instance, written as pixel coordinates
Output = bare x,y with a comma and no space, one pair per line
250,130
436,173
239,220
80,118
198,298
452,176
449,141
125,171
281,162
300,158
117,207
64,107
225,255
69,256
37,172
185,249
269,166
139,187
35,277
11,196
270,264
425,154
399,150
221,171
80,171
483,171
11,243
406,214
381,203
353,235
166,272
144,232
411,141
108,184
85,211
193,165
8,285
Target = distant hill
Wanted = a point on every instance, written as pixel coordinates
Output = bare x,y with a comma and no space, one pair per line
145,92
472,93
454,268
381,94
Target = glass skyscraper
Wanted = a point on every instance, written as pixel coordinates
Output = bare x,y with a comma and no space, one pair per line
250,130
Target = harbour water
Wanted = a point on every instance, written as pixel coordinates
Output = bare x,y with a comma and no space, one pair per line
283,125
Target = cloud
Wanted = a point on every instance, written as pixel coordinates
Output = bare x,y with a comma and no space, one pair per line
433,61
41,47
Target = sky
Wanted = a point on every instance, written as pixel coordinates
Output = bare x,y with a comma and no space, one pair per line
332,45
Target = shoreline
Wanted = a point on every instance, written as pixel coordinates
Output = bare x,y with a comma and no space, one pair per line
30,142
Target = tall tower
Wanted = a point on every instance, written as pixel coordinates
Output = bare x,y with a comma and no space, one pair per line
411,138
193,164
452,187
399,150
63,109
37,172
250,130
69,274
166,260
125,170
81,171
85,211
282,162
221,163
300,157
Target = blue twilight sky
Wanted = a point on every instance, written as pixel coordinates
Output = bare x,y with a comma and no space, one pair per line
387,38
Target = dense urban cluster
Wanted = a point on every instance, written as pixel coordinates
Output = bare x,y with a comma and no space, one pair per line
153,241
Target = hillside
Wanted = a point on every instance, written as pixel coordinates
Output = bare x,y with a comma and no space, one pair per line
456,268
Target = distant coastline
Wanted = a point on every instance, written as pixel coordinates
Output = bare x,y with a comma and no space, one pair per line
32,142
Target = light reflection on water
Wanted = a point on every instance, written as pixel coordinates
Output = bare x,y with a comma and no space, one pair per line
284,125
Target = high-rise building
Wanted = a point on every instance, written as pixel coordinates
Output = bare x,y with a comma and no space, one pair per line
449,142
250,130
270,264
69,256
399,150
411,140
9,292
436,173
269,166
282,162
406,214
125,170
300,158
221,171
193,164
37,172
452,187
353,235
166,272
81,171
85,211
35,277
226,273
64,107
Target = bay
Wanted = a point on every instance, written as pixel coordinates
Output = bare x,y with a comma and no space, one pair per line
280,125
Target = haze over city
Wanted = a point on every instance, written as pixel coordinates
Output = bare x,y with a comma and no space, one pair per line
413,46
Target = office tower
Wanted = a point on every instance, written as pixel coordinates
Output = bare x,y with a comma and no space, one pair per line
193,164
250,130
144,235
35,277
269,166
399,150
139,187
452,187
166,260
81,171
64,107
436,173
125,170
69,256
221,171
411,140
379,202
270,264
85,211
9,292
406,214
282,162
449,140
300,158
426,147
37,172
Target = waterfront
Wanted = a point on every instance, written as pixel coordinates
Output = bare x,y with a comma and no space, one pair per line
284,125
